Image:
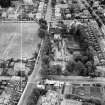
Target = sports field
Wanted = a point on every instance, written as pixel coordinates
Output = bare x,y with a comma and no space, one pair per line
18,40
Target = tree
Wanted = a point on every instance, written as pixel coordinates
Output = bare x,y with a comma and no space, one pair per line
42,33
62,2
64,30
80,68
35,54
43,26
39,45
5,72
103,2
44,72
45,60
66,73
99,22
95,101
3,65
84,59
71,51
90,53
53,3
5,3
58,69
52,70
89,67
33,98
21,73
30,102
85,103
77,58
47,49
42,92
84,43
42,21
70,66
36,92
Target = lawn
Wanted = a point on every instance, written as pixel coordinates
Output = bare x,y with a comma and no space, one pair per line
18,40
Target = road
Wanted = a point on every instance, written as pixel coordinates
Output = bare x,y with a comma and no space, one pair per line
31,84
78,79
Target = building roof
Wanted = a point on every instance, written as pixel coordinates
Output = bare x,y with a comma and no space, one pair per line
70,102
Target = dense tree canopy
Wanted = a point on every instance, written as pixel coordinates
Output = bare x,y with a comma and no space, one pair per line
103,2
36,93
70,66
5,3
42,21
53,3
42,33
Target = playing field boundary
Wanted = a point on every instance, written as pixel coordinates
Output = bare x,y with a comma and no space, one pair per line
18,22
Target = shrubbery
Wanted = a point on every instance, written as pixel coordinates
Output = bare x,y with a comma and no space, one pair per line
36,93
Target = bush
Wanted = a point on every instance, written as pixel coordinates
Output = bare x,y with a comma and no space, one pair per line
42,21
45,60
57,69
53,3
47,49
36,93
42,33
21,73
5,3
80,68
70,66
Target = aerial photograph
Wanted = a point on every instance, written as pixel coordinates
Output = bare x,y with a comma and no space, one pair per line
52,52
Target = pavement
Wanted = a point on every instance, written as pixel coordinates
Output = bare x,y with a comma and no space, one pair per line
10,78
79,79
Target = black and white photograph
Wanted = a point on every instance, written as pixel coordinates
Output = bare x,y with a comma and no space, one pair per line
52,52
